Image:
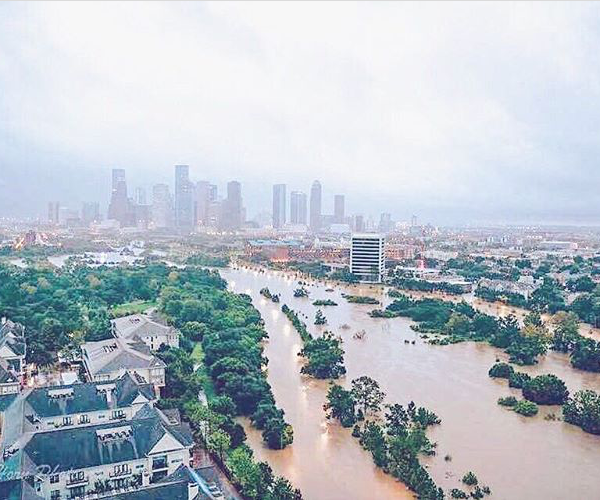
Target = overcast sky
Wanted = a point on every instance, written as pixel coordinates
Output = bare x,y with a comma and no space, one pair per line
457,112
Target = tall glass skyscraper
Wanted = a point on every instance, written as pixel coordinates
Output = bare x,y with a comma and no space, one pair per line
279,201
184,197
315,207
298,207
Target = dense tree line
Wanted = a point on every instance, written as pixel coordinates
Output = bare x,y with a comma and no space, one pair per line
60,308
427,286
324,355
230,331
208,260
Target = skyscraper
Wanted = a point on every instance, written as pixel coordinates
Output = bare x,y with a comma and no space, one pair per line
338,209
140,196
184,198
90,212
385,223
315,207
298,207
203,199
231,216
162,207
279,201
119,208
53,209
367,256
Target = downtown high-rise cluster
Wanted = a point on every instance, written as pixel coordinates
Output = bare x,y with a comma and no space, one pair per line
192,204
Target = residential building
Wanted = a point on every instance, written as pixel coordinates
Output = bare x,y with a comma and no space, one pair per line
93,403
110,359
99,459
298,207
13,347
146,329
367,256
279,202
315,207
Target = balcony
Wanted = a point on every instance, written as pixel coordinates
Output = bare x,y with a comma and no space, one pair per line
121,473
73,482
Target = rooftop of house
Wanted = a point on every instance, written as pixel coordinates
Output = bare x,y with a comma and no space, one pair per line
140,325
107,356
6,375
12,335
93,446
172,487
83,398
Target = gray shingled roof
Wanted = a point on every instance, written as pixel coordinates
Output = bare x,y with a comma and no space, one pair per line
86,397
13,335
80,448
140,325
107,356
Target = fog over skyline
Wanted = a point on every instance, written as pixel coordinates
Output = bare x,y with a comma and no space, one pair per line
459,113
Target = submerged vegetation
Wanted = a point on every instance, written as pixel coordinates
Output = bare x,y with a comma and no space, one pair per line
360,299
324,355
324,302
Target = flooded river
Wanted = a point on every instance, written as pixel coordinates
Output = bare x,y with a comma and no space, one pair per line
518,457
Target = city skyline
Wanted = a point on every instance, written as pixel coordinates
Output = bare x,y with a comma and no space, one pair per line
401,143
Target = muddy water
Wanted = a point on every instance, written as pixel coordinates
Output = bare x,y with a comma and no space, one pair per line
518,457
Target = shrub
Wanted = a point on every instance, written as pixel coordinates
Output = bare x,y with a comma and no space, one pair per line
583,409
470,479
546,390
526,408
501,370
518,380
508,401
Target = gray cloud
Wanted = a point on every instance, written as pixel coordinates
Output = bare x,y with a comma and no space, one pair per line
459,112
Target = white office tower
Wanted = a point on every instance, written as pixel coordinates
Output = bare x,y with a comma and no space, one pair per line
367,257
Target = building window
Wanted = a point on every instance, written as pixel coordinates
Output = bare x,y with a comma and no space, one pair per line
54,478
121,469
76,476
55,495
118,414
159,462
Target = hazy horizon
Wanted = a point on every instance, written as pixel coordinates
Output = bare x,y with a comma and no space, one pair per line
458,113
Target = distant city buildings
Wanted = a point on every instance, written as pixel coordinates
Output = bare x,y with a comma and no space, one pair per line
119,208
162,207
53,209
279,201
298,207
90,213
338,209
367,257
184,198
231,214
315,207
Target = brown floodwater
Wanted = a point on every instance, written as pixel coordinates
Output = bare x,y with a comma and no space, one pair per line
518,457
